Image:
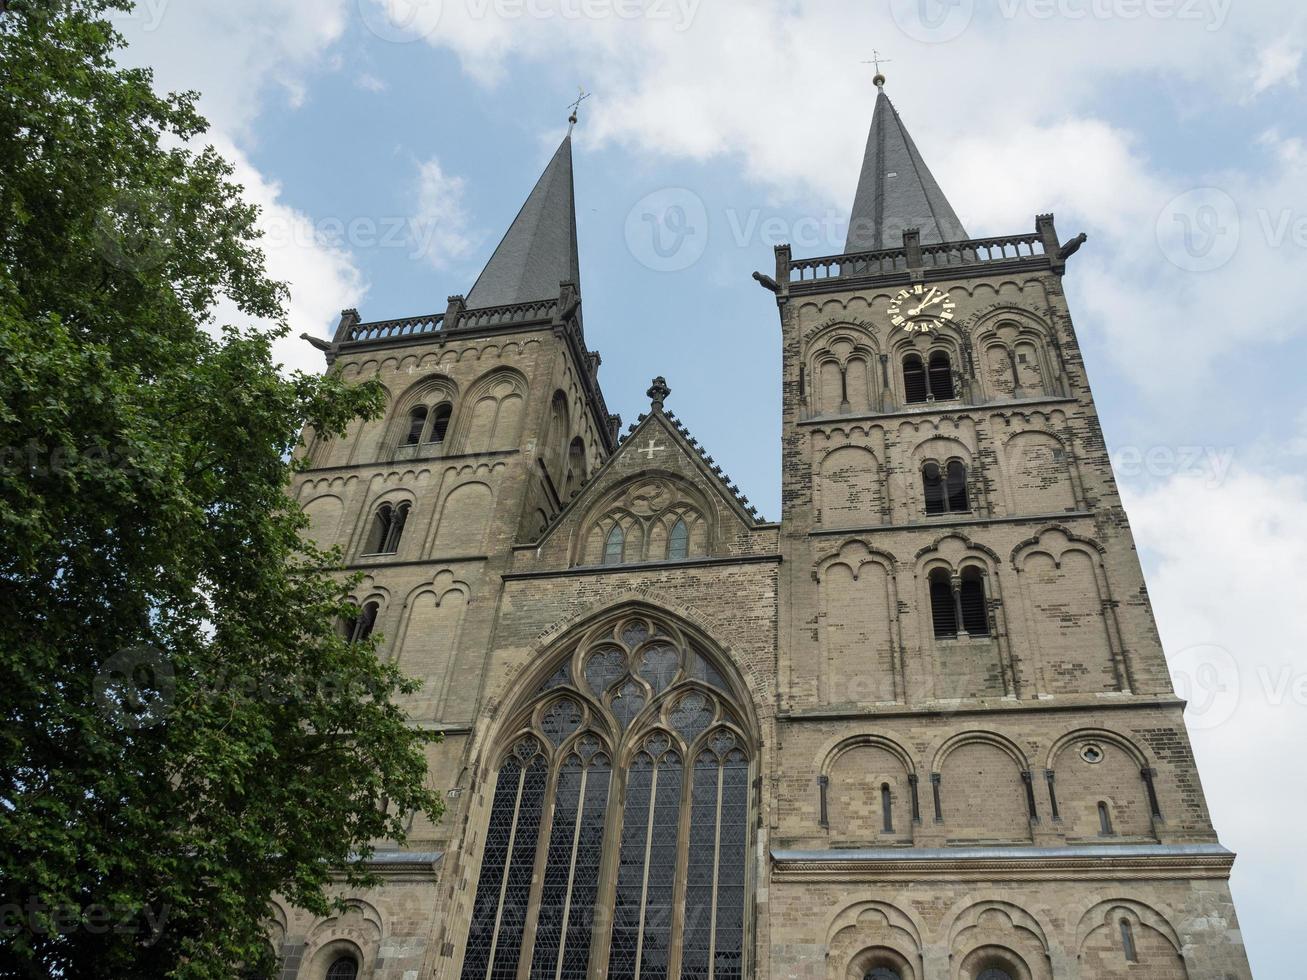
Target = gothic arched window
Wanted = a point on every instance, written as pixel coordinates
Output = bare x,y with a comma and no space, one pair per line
678,542
615,546
343,968
628,781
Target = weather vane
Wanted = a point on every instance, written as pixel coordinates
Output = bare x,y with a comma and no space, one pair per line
576,106
877,60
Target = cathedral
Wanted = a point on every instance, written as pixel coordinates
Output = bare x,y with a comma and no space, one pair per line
921,728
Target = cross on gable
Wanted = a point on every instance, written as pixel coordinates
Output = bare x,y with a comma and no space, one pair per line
650,449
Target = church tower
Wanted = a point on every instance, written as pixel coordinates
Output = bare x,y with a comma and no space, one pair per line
982,761
920,729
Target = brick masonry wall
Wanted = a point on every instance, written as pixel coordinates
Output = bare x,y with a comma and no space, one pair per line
1022,735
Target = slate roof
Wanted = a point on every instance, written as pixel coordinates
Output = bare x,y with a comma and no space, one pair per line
539,251
897,190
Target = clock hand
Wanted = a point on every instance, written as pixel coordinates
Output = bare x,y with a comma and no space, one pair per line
931,302
926,302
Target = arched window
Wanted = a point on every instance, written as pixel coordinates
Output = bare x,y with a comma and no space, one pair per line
427,425
993,973
964,608
634,717
1104,819
883,973
343,968
1128,942
387,529
933,484
575,467
943,608
957,488
615,546
940,377
886,810
914,380
945,490
417,424
440,422
359,627
971,598
380,533
678,542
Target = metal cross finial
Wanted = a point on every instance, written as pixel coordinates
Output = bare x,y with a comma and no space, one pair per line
877,60
576,106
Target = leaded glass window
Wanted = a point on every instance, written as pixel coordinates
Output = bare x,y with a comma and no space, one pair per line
678,542
615,546
626,788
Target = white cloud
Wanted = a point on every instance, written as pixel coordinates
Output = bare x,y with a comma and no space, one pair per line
1224,564
236,53
780,87
369,82
439,229
1277,64
239,54
322,277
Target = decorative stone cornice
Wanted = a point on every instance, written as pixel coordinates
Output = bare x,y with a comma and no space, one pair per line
1118,862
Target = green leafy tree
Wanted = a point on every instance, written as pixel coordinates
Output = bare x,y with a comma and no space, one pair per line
185,730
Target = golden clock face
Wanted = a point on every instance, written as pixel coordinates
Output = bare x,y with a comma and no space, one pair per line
921,309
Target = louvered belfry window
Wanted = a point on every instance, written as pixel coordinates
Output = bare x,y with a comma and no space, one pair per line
628,782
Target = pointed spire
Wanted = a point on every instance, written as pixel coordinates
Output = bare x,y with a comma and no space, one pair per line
539,252
897,190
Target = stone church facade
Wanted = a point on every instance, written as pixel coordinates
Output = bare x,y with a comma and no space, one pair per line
920,728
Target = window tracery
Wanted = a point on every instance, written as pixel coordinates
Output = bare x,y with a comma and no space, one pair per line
631,758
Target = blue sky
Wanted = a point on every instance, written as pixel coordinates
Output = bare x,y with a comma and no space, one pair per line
391,142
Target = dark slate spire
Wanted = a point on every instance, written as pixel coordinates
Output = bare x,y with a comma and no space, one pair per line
539,251
897,190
